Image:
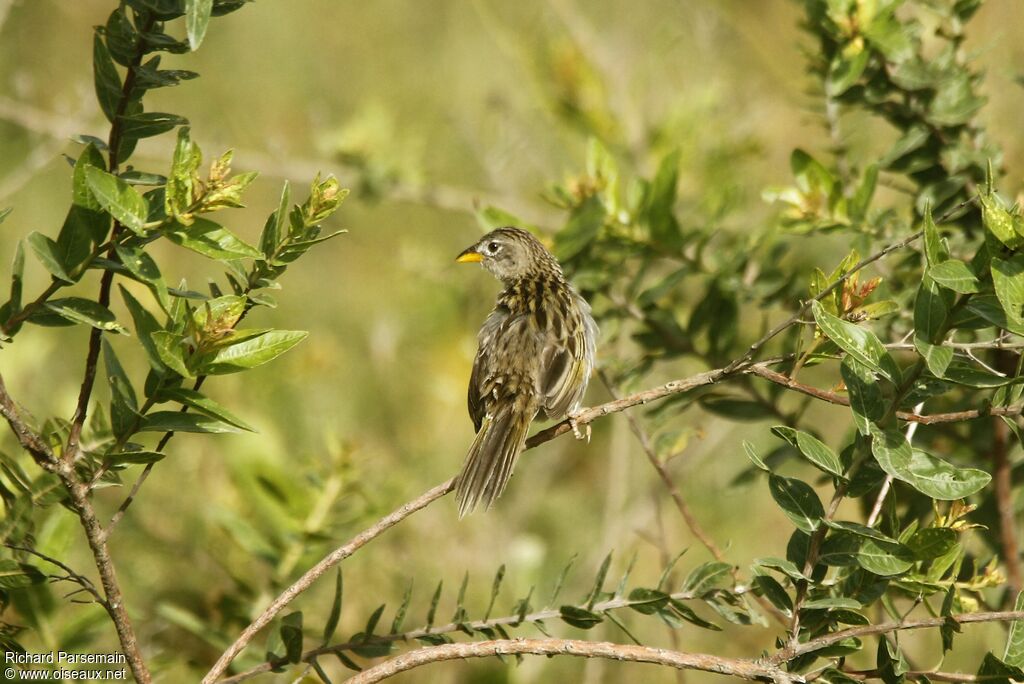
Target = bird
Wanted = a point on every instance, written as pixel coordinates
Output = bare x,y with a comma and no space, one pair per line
536,353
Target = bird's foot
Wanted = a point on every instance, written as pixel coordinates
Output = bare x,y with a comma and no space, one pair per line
579,434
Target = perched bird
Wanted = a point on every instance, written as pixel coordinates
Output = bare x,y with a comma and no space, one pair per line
536,353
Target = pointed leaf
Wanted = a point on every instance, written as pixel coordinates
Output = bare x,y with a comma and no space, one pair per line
858,342
119,199
797,500
177,421
816,451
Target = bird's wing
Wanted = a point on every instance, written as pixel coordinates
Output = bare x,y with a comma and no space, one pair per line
567,359
480,380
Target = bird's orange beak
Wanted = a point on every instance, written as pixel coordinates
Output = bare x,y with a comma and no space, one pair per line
469,256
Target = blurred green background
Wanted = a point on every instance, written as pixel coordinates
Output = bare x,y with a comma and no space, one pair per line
429,112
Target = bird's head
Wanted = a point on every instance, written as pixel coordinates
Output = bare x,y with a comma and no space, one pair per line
510,254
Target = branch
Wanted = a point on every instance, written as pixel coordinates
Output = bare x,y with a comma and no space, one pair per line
744,669
475,625
762,371
794,651
73,576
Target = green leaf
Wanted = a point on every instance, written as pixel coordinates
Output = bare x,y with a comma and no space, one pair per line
931,542
584,224
134,457
332,619
171,352
754,458
955,275
990,309
203,404
995,671
859,530
1014,653
141,265
396,623
934,249
49,255
211,240
106,78
13,306
647,601
15,575
148,124
707,577
999,222
661,200
816,451
123,403
252,348
866,400
179,190
927,474
197,18
119,199
784,566
963,373
797,500
177,421
79,310
579,617
936,357
291,636
769,587
883,558
276,225
858,342
1008,278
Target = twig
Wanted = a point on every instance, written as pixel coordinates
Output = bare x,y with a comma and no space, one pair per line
451,627
762,371
666,478
744,669
84,582
795,650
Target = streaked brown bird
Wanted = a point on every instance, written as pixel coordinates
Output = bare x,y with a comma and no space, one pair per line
536,353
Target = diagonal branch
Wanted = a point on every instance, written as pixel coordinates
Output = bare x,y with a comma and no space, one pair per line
27,437
743,669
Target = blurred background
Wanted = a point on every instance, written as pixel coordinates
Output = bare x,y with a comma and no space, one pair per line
430,113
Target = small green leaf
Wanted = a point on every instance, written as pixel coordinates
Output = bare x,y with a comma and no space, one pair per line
1014,653
291,636
170,351
178,421
197,18
866,400
211,240
123,403
934,249
579,617
931,542
1008,278
179,191
858,342
49,255
797,500
396,623
883,558
79,310
241,350
707,577
955,275
148,124
335,614
15,575
142,266
925,473
106,78
584,224
276,225
119,199
647,601
602,572
203,404
753,456
769,587
999,222
816,451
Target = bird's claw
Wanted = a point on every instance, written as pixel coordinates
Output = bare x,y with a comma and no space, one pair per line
576,428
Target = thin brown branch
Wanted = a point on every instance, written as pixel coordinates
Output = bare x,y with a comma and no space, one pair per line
72,575
744,669
677,497
795,650
762,371
930,674
450,628
328,562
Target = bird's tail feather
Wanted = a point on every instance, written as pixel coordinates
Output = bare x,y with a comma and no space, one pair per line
491,458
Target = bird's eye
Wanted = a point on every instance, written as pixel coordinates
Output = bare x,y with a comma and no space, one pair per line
492,247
